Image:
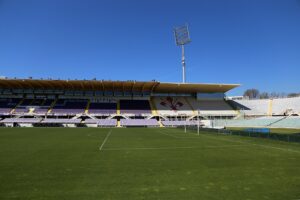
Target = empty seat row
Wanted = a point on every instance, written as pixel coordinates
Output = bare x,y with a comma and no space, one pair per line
179,123
139,122
101,122
135,107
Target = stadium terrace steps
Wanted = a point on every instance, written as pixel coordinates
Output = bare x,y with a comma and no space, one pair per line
102,122
272,122
290,122
179,123
251,107
169,109
103,108
251,122
5,110
280,106
31,106
213,107
268,106
8,104
69,107
139,122
135,107
278,120
22,120
99,122
60,121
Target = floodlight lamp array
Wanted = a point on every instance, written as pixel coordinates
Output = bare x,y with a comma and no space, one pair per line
182,35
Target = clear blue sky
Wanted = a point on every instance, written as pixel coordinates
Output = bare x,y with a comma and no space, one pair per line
252,42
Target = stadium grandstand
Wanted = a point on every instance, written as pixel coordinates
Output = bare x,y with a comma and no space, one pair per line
92,103
72,103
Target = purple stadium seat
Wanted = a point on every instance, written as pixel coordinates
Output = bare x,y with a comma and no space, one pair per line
135,107
69,106
139,122
101,108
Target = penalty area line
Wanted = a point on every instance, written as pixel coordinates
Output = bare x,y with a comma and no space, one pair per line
104,141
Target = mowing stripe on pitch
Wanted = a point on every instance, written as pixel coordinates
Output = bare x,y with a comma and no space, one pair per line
104,141
169,134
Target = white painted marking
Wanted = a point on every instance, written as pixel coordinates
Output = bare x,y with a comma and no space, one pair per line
104,141
146,148
169,148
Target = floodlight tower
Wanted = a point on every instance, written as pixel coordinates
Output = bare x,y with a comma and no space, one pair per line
182,37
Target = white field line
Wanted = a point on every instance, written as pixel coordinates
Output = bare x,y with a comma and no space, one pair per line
179,137
278,148
169,148
260,145
102,145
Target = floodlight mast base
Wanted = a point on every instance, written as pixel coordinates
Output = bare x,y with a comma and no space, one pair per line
183,65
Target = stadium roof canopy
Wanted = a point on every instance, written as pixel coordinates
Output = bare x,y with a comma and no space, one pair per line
137,86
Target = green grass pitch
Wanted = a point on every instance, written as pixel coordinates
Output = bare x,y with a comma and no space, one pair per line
144,163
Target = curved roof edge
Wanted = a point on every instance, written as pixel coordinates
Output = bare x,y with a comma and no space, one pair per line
108,85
